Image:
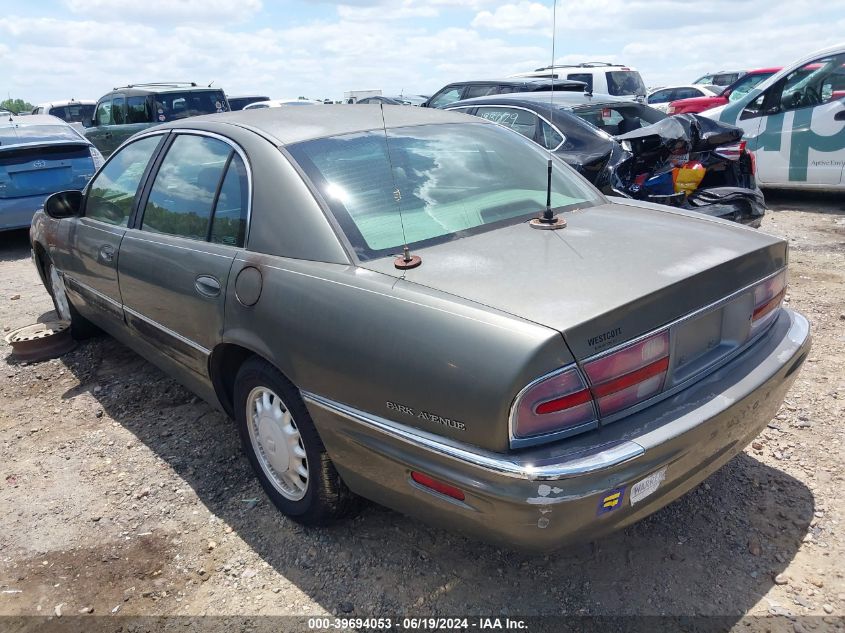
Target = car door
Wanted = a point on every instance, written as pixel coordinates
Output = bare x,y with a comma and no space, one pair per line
175,261
796,127
89,260
104,131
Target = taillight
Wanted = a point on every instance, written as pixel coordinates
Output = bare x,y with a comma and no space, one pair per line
556,403
671,110
768,297
630,375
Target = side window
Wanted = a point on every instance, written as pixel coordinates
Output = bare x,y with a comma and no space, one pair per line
182,196
661,96
117,105
480,91
520,120
446,97
551,137
138,110
229,223
813,84
112,192
587,78
685,93
103,114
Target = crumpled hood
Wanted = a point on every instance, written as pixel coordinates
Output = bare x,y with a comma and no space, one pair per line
615,272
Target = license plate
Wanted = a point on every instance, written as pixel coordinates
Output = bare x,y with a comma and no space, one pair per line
647,486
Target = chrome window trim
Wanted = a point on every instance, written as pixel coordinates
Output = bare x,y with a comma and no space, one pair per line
176,131
166,330
513,107
516,442
577,464
132,236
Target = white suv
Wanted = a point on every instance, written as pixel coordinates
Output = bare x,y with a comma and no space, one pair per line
600,77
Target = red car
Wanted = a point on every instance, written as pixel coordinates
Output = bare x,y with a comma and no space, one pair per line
733,92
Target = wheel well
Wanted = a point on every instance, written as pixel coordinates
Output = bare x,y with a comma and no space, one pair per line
226,360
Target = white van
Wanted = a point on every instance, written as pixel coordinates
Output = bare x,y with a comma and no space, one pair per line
795,123
600,77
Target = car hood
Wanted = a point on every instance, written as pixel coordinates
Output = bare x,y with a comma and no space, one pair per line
617,270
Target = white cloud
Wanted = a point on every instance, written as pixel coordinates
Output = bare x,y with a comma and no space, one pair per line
166,11
522,17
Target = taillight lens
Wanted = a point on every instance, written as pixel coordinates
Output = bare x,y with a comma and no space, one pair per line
630,375
768,297
559,402
736,151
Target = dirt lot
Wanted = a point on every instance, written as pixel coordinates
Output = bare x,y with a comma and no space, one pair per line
122,493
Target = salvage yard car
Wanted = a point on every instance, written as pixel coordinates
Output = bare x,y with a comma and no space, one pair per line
737,90
616,80
371,302
469,89
130,109
633,150
795,123
39,155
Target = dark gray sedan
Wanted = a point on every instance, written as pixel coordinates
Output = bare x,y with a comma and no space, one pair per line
532,387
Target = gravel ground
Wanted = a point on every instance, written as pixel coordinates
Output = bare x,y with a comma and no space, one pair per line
122,493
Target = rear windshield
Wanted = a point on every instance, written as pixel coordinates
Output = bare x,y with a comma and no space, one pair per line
449,181
170,106
625,82
15,134
619,118
74,113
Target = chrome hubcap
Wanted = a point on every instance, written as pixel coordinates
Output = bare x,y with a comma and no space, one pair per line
59,294
277,443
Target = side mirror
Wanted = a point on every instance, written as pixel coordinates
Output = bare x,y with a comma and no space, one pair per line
87,122
64,204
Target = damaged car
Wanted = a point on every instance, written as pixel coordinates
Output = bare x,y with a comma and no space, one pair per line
418,307
635,151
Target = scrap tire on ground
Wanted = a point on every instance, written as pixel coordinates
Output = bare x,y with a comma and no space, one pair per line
265,427
80,327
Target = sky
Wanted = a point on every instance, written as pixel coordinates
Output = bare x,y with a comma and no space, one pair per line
58,49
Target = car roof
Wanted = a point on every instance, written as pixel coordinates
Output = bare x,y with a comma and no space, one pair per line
34,120
155,88
517,81
286,126
562,98
66,102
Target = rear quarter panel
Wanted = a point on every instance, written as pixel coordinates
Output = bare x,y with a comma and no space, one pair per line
365,340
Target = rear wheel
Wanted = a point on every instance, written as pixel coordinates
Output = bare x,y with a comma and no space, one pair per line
80,327
284,448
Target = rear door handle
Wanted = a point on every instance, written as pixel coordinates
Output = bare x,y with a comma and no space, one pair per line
839,116
107,254
207,286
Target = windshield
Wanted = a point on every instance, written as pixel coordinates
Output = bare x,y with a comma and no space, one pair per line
449,180
15,134
73,113
619,118
625,82
744,85
171,106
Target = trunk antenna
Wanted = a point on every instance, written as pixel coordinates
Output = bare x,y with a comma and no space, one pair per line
405,261
547,219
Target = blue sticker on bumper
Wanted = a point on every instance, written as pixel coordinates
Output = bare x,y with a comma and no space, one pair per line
611,500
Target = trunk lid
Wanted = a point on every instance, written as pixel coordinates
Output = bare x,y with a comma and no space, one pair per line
42,168
616,272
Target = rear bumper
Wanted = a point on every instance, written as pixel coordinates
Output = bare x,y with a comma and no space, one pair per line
541,499
16,213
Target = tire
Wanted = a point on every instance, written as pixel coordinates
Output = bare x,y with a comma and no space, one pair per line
80,327
281,442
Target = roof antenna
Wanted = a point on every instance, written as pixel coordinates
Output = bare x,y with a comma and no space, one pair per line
547,219
405,261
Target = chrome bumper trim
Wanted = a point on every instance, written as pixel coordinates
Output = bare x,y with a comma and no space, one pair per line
577,464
